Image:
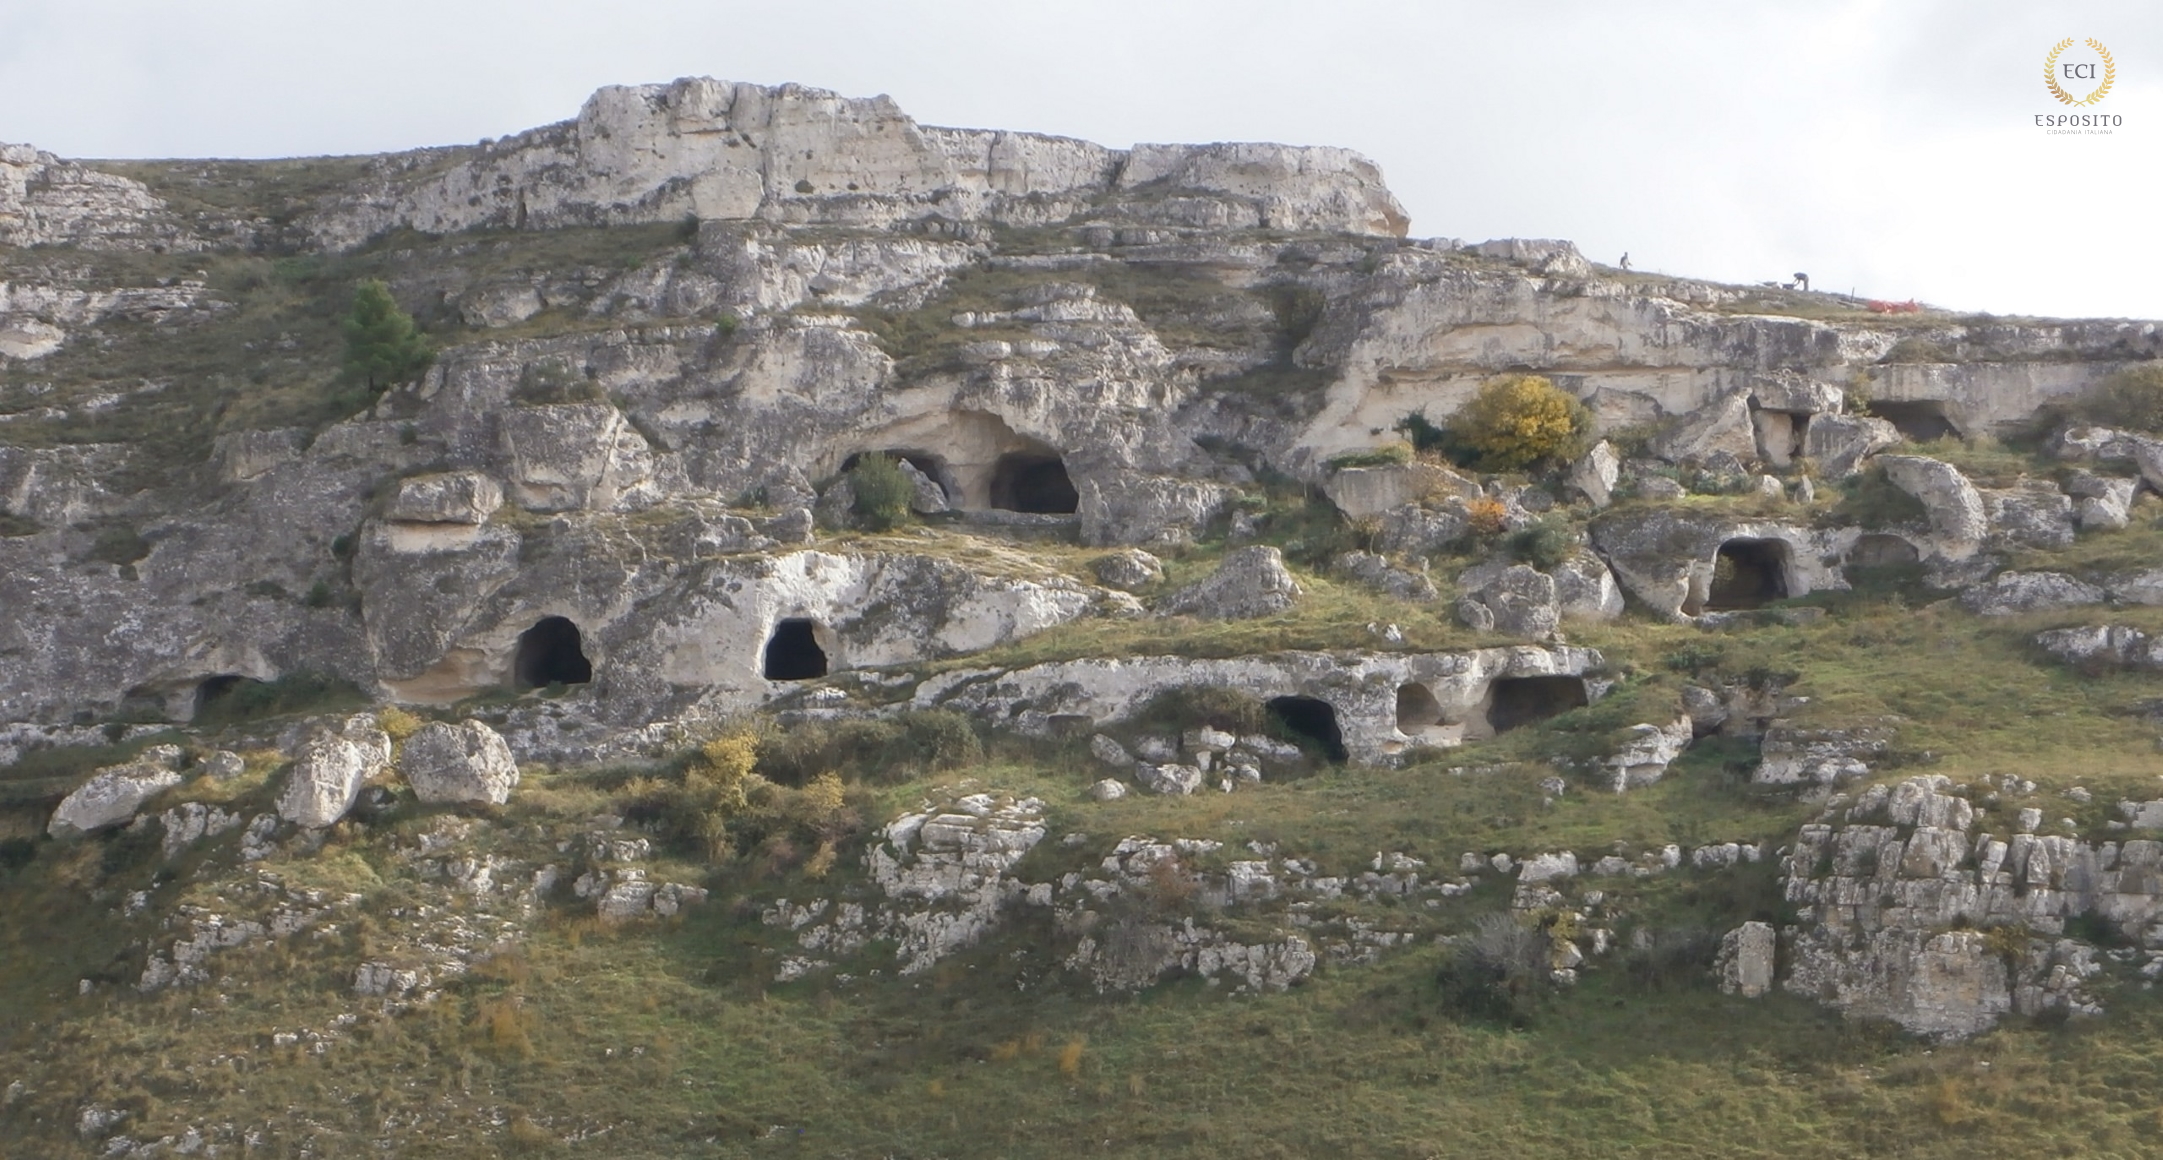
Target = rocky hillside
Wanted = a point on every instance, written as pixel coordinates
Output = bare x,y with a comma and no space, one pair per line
569,751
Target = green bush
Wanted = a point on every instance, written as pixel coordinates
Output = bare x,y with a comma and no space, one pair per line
297,693
382,346
881,750
1232,710
1522,421
1872,502
882,492
2131,399
1671,958
1387,455
1546,544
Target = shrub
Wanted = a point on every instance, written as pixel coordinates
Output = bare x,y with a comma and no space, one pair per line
1498,972
398,723
1422,432
2131,398
1671,958
1387,455
882,492
1488,516
1546,544
1873,502
883,750
1232,710
1520,421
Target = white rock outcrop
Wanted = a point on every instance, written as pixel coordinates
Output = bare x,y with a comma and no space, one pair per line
465,762
111,796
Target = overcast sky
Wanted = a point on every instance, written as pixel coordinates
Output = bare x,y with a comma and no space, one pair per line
1888,147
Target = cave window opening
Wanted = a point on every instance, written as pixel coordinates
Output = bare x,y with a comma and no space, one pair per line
1514,702
1918,421
932,467
1025,481
1417,709
1310,720
793,652
551,652
223,693
1748,574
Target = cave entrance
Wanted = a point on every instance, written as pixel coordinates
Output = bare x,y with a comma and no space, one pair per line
1310,719
1748,574
1031,481
1917,420
793,652
225,695
1420,717
932,467
552,652
1514,702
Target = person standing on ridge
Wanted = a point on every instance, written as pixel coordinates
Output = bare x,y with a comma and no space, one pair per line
1624,263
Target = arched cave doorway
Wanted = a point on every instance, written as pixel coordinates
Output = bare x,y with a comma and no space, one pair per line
223,695
1917,420
551,652
1748,574
1514,702
793,652
1311,719
930,466
1417,709
1031,481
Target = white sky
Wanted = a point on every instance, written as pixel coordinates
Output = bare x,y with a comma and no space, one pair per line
1883,146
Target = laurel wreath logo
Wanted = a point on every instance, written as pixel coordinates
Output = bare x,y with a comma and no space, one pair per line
2050,72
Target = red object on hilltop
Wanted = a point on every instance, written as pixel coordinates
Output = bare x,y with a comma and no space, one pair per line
1911,306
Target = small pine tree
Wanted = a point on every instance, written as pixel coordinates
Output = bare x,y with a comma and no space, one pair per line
1517,421
382,346
882,492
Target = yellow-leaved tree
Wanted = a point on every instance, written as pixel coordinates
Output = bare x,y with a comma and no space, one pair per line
1520,421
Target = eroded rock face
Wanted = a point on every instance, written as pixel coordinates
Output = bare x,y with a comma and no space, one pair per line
111,796
45,201
2103,646
1669,558
1511,600
1129,571
1909,916
717,150
466,762
1746,961
458,497
1838,444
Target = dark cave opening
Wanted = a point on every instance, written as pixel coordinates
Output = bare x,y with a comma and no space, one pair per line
1917,420
1311,720
551,652
793,652
222,692
1514,702
1748,574
1026,481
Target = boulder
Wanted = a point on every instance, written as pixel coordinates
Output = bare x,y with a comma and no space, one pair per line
111,796
1378,573
1250,582
330,769
1360,492
1745,962
1412,530
2013,593
1958,520
2101,503
456,497
1648,751
499,306
926,497
1594,474
1838,444
1142,509
1129,570
1179,780
1513,600
2033,515
466,762
1721,426
2103,646
1107,790
1110,752
2140,587
1585,589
